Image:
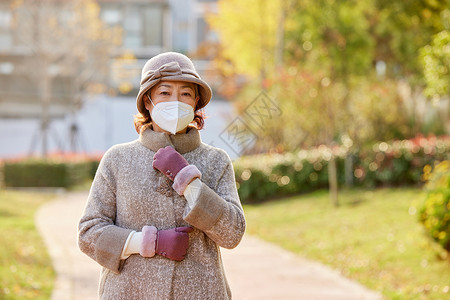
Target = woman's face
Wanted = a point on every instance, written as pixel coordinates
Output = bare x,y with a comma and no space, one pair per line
166,91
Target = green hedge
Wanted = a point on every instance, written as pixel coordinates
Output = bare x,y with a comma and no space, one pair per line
435,212
399,162
48,172
262,177
267,176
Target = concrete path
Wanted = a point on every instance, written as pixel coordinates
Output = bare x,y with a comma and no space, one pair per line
255,269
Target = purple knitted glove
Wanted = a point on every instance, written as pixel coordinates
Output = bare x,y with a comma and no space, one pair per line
173,243
169,162
173,165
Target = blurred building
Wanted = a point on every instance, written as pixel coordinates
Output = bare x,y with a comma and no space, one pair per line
149,27
152,27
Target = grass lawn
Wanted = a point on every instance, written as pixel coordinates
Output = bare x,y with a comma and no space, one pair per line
26,271
373,237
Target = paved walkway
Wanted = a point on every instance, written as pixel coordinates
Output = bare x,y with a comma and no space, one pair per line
255,269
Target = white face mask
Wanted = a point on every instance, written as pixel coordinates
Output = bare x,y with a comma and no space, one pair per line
172,116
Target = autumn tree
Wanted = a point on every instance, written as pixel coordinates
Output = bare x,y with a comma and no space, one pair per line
339,53
340,67
401,29
63,39
435,58
247,31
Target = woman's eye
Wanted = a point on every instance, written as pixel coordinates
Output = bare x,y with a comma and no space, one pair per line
164,93
186,94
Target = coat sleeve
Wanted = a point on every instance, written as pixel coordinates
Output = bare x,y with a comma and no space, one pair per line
218,211
98,236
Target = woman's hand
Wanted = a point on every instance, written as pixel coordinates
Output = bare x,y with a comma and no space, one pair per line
169,162
171,243
175,167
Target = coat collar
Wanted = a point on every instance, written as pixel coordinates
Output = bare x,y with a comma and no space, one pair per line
182,142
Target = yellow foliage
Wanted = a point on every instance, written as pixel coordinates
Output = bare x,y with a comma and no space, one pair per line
125,87
435,213
128,56
15,4
255,22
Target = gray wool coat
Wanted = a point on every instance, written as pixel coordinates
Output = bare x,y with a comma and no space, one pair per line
127,193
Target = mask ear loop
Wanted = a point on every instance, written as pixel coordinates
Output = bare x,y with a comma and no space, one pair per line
153,107
150,100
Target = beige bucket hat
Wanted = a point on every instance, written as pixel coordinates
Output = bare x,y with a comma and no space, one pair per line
171,66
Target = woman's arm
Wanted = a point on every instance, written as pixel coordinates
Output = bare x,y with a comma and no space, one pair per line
98,236
218,211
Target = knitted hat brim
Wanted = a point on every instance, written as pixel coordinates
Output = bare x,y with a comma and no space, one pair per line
204,90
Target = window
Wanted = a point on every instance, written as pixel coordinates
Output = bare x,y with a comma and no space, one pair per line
25,31
142,24
5,32
204,32
132,27
111,15
153,23
5,19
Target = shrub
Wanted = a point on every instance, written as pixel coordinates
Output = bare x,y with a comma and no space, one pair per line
397,163
261,177
44,174
435,212
55,171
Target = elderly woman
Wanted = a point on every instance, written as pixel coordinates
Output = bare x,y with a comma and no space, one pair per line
161,206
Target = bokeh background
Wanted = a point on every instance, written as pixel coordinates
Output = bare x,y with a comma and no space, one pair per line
70,70
348,99
361,71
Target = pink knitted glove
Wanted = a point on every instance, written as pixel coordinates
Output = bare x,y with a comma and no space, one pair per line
173,243
169,162
149,234
174,166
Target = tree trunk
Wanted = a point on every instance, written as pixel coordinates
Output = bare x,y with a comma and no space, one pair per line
349,170
280,38
45,102
332,181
